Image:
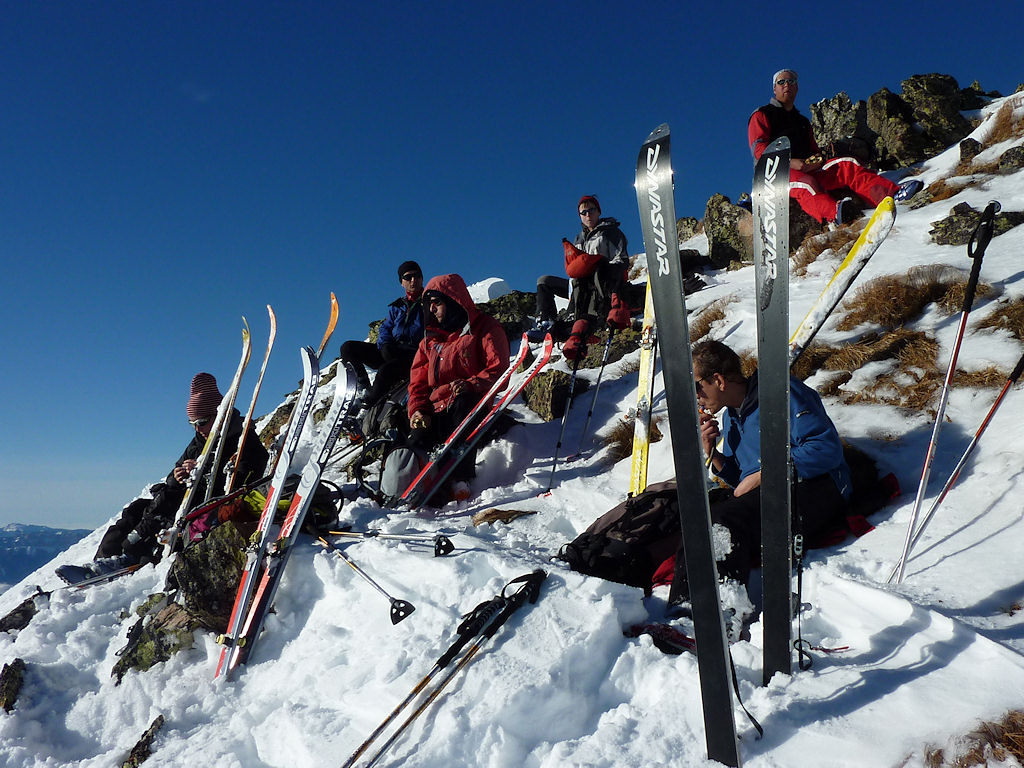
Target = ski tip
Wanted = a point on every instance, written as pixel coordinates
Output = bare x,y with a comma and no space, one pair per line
658,133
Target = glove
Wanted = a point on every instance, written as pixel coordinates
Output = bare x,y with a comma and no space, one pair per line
618,315
575,347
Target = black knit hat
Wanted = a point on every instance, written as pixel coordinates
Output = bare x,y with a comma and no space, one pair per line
409,266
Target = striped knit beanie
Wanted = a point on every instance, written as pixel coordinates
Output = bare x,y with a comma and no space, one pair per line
204,397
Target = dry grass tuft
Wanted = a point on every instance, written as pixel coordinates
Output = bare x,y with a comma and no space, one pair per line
711,314
952,301
894,300
986,377
748,361
831,387
989,743
1004,126
941,189
840,240
1009,316
619,441
627,367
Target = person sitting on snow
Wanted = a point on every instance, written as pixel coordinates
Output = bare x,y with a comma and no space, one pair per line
822,478
811,178
397,339
133,538
463,352
596,262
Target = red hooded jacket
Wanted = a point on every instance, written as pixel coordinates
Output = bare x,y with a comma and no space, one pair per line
476,353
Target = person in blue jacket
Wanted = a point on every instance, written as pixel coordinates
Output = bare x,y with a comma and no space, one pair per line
822,482
397,339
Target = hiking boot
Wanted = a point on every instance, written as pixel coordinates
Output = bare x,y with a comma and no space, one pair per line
907,190
846,211
540,329
460,490
107,565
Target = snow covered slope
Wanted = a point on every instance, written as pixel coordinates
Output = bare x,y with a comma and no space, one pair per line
560,685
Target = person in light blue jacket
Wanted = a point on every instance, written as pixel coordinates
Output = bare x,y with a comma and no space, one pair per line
822,483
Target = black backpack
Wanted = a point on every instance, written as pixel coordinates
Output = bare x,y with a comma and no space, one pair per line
630,541
385,427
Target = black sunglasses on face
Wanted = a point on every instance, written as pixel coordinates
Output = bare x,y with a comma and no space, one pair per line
199,422
412,276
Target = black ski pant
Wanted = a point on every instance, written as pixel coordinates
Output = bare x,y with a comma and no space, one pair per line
147,517
548,287
816,502
391,368
441,426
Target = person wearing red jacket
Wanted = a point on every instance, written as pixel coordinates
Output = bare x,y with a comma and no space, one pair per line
812,179
463,352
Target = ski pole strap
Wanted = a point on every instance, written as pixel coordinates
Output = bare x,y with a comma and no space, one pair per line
736,689
473,623
530,590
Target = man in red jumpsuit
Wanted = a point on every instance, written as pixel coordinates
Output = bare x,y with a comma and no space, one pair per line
812,179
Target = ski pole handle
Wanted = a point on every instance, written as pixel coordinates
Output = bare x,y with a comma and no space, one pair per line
976,246
475,621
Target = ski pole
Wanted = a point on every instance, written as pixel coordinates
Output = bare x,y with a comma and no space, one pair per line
529,590
597,388
565,416
975,250
963,461
442,544
473,623
400,609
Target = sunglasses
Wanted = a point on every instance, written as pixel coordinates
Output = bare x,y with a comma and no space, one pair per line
786,81
199,422
412,276
589,212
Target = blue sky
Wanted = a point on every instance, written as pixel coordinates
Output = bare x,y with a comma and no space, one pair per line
171,167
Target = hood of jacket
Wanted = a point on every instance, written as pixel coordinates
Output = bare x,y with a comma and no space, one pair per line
454,287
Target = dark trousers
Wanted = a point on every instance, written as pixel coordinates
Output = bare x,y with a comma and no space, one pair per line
548,287
390,370
441,426
816,501
146,516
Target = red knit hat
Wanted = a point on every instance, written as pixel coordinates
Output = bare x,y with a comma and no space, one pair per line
588,199
204,397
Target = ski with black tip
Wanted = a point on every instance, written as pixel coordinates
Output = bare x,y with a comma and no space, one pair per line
654,192
771,270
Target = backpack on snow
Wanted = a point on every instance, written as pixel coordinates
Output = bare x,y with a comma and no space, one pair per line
627,543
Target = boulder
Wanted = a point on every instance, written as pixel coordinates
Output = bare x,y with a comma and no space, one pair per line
839,118
935,100
1012,159
12,677
688,227
898,143
730,231
957,228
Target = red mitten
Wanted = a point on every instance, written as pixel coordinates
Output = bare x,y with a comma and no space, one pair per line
618,315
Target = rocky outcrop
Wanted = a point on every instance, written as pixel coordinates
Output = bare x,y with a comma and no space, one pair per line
957,228
12,677
206,576
730,231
